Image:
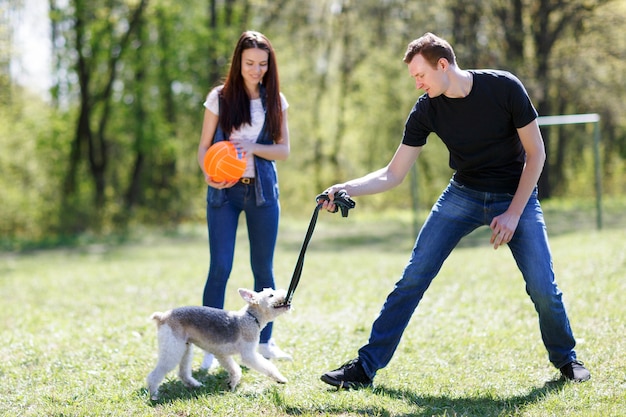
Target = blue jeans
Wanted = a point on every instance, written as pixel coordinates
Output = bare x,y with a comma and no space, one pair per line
262,222
459,211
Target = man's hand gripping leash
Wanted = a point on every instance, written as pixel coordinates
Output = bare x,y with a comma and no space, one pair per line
342,201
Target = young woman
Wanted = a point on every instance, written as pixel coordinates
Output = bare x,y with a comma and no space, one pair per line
249,110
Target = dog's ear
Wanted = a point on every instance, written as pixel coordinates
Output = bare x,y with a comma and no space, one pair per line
249,296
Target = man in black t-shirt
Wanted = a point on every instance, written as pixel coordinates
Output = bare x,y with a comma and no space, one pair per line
489,125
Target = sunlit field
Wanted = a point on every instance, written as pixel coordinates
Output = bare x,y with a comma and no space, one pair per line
77,339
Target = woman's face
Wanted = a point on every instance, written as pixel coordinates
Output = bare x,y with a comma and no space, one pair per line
254,65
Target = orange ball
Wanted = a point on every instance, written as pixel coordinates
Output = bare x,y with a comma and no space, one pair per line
222,162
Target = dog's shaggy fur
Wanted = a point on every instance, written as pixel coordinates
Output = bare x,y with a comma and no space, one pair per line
222,333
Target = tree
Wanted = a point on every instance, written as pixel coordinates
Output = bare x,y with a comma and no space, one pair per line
551,20
99,36
6,36
130,79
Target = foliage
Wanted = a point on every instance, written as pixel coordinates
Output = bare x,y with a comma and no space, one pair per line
29,164
77,341
116,144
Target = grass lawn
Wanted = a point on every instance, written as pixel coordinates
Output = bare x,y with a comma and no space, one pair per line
76,339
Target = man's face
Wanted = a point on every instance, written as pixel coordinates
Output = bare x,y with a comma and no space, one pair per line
432,80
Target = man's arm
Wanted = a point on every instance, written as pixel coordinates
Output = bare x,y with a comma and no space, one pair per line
381,180
504,226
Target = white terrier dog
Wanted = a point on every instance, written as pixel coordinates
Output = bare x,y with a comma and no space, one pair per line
222,333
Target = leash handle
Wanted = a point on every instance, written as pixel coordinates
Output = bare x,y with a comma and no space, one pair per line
342,201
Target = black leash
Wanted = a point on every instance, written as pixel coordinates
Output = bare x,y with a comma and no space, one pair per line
342,202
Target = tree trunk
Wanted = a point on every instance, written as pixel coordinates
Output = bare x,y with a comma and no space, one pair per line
510,15
92,126
466,27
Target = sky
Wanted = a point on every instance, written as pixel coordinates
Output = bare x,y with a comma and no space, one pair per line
30,65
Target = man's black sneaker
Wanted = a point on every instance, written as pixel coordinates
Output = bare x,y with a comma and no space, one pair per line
349,376
575,371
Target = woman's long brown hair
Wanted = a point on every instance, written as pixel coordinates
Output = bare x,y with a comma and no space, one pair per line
235,103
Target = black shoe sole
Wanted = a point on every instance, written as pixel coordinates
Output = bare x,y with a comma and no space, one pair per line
576,380
344,384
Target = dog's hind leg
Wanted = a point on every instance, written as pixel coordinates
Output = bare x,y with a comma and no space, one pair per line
171,351
233,369
184,370
256,361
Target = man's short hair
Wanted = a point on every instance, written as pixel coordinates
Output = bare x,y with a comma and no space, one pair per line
432,48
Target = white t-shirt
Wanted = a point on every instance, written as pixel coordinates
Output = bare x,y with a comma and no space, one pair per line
246,132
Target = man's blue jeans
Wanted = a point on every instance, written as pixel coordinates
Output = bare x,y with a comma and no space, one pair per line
459,211
262,222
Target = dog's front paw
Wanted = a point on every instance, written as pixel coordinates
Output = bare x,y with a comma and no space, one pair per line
232,386
281,379
233,381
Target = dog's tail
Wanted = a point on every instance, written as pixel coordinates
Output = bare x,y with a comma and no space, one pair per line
158,317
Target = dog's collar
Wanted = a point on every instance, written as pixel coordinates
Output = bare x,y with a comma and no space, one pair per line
255,319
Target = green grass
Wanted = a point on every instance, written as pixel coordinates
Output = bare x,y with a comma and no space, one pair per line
76,339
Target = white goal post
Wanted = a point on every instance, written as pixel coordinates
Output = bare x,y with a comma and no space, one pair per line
584,119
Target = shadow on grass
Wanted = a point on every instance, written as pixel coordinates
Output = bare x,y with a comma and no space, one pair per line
214,383
483,406
478,406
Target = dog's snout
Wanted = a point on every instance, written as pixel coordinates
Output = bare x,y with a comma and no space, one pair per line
283,304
